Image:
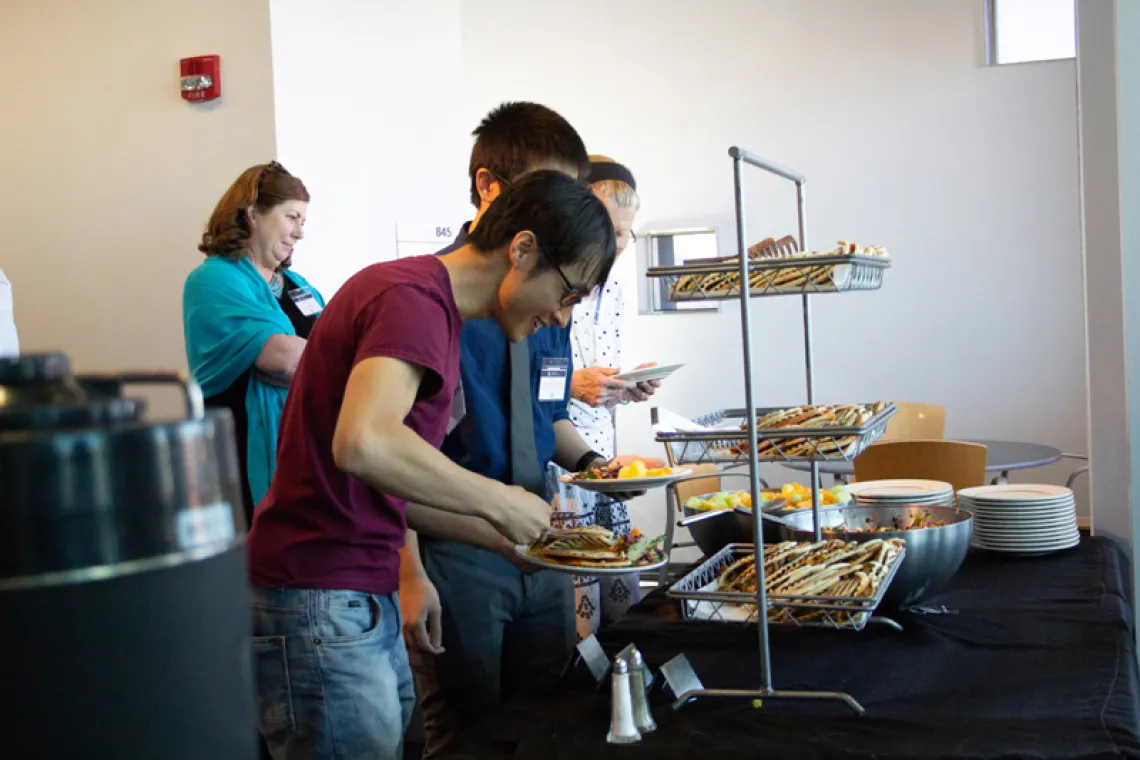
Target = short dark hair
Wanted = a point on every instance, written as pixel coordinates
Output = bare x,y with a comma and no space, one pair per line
571,224
515,136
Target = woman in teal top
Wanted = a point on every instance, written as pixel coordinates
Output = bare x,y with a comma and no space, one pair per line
246,315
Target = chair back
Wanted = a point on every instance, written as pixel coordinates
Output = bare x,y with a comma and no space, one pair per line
916,422
962,465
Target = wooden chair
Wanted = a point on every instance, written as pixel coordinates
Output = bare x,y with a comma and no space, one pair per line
962,465
916,422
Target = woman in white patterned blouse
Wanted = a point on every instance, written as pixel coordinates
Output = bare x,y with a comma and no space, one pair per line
596,344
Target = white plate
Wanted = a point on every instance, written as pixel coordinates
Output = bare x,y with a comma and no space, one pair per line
1000,504
649,373
1047,541
1021,515
1025,528
1023,518
588,572
899,489
999,536
1014,508
946,502
1016,492
1029,552
626,484
909,497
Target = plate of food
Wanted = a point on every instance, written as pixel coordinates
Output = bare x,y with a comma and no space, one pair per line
594,550
635,476
646,374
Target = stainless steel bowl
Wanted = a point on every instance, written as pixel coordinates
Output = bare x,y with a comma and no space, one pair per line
933,555
716,529
712,530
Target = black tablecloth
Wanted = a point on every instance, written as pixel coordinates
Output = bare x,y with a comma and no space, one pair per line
1036,660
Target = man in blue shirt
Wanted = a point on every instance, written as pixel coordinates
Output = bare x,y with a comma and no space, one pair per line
500,623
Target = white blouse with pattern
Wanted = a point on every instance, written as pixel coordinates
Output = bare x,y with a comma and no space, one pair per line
595,338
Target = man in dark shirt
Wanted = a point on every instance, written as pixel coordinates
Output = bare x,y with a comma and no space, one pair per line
502,624
370,404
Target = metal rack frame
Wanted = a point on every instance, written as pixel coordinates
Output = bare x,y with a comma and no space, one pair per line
744,267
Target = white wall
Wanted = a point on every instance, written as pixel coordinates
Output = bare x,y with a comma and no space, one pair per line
109,176
968,174
369,114
1109,107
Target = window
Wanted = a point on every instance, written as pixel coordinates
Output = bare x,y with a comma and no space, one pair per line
1022,31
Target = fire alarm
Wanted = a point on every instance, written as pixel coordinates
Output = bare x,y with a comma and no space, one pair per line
201,78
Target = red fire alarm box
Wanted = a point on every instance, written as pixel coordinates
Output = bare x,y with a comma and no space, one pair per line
201,78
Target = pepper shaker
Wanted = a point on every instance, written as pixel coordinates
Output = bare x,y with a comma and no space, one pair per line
642,718
623,729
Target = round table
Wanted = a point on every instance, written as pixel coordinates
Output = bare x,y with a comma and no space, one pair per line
1002,457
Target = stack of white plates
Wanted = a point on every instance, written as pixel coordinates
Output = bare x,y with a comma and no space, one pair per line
898,493
1022,519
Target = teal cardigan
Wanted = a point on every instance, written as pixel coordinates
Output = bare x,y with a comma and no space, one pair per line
228,312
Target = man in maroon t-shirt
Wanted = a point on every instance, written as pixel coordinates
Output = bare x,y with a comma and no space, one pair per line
367,410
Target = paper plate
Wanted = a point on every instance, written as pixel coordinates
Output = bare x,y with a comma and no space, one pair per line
649,373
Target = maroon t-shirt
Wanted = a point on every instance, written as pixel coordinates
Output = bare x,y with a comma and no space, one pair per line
319,527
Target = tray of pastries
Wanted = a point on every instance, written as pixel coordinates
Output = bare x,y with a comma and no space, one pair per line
830,583
785,434
778,267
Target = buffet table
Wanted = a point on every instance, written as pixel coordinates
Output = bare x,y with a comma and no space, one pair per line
1017,658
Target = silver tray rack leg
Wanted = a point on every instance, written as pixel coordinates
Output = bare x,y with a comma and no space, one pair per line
763,694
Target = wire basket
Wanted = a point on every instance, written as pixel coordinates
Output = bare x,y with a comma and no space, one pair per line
794,444
701,601
720,280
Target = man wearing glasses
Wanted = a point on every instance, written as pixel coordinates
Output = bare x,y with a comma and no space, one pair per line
497,624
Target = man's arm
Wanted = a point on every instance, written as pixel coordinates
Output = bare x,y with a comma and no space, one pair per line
448,526
419,601
371,442
569,447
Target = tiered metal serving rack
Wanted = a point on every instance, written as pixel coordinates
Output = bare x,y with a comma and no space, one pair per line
725,279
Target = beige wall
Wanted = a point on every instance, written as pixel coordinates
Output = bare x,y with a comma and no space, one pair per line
107,176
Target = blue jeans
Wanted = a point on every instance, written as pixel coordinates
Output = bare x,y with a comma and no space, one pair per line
502,631
333,679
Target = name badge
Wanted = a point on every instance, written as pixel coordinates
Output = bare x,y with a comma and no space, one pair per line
552,381
305,302
458,409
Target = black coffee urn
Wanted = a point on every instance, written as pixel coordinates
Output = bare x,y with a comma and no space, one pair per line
124,603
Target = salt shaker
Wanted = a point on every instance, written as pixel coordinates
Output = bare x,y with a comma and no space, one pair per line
623,729
642,718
